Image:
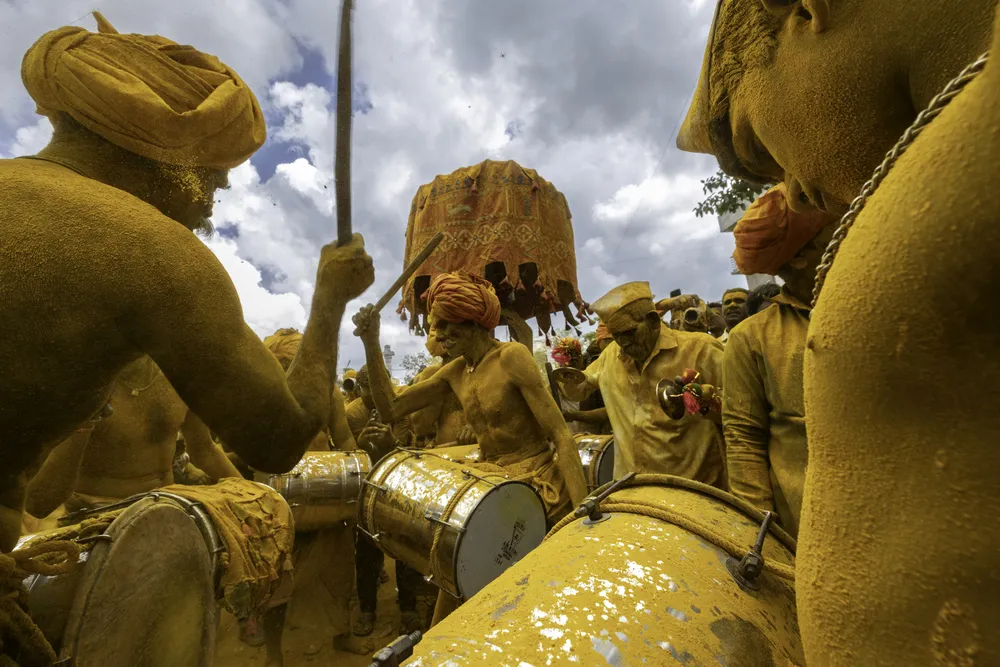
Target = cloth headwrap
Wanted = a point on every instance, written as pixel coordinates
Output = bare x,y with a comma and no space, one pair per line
770,234
284,344
463,297
602,333
146,94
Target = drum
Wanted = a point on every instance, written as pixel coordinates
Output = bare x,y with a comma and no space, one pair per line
597,454
145,593
460,527
645,580
324,487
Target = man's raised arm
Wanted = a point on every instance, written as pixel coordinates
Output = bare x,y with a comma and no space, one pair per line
188,318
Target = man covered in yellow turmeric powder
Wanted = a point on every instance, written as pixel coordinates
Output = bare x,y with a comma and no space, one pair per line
517,422
762,415
514,417
130,452
644,351
99,265
897,551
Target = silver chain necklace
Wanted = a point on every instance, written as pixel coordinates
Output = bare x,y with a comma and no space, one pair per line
924,118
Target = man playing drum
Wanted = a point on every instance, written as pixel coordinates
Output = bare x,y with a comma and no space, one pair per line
501,391
98,228
515,419
645,350
899,537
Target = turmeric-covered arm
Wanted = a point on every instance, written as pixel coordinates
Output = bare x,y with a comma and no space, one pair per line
520,365
392,408
205,454
56,480
598,416
746,424
340,430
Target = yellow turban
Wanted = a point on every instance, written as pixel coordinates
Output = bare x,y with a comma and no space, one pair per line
770,234
146,94
463,297
284,345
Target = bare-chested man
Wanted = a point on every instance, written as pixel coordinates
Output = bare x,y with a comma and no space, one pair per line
130,452
897,551
514,416
99,265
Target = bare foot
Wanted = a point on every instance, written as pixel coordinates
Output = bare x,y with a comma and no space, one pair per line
409,622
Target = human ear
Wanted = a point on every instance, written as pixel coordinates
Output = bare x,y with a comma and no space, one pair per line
815,12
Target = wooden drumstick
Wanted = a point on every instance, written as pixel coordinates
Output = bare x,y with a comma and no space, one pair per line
342,166
409,271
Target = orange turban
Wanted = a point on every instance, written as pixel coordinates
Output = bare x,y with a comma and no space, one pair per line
602,333
284,345
770,234
463,297
146,94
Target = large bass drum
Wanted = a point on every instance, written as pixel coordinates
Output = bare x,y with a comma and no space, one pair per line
323,488
144,595
459,526
647,582
597,454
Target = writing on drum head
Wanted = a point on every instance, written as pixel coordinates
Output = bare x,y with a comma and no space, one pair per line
508,551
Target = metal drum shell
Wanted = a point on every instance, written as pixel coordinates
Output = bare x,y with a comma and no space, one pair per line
458,453
597,454
401,504
631,590
323,488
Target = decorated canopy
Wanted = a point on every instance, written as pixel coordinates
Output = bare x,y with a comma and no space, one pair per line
502,222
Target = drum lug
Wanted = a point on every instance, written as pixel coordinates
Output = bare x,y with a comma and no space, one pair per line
746,572
374,538
591,507
435,517
371,483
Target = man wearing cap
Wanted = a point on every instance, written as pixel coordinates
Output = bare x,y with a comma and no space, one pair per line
763,416
99,265
896,558
734,308
644,351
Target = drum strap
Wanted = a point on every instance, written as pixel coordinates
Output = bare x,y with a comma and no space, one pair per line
30,645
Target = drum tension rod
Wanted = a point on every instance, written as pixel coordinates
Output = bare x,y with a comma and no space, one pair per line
746,572
396,652
591,506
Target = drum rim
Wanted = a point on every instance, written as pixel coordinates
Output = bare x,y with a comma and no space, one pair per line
156,497
656,479
461,536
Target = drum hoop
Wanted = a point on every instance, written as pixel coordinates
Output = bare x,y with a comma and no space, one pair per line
652,479
193,509
461,535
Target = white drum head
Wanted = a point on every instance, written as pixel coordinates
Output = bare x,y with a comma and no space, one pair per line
506,524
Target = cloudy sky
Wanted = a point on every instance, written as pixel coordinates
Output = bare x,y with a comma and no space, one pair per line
589,93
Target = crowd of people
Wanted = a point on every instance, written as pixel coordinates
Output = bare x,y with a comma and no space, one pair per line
128,367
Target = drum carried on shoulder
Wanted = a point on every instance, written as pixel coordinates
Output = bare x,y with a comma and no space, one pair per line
146,592
323,488
459,526
664,570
